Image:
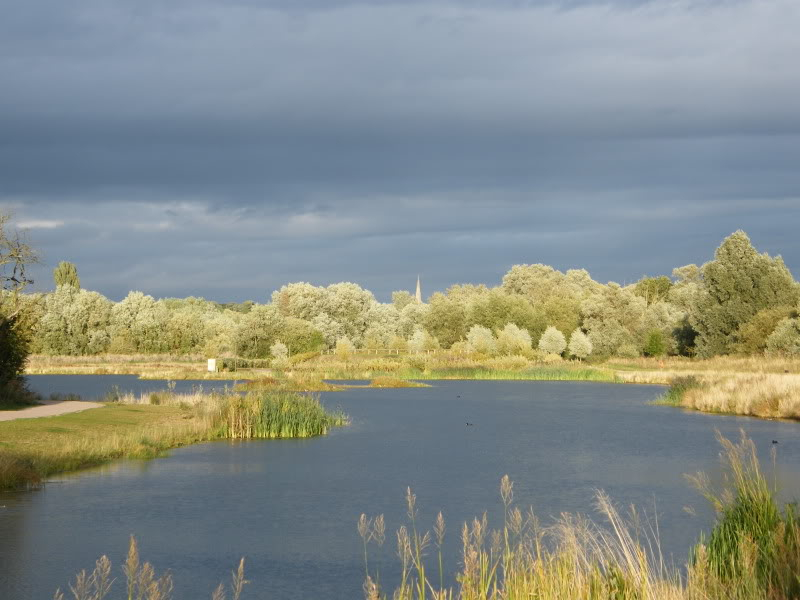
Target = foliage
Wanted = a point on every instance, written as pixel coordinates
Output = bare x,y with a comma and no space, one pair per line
402,298
785,339
445,319
481,339
513,340
737,284
66,273
580,346
751,337
655,346
258,330
422,341
345,348
552,341
280,355
653,289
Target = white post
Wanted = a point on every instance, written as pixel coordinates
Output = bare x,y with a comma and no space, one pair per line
212,365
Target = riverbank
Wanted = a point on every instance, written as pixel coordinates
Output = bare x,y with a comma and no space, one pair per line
147,426
753,386
752,552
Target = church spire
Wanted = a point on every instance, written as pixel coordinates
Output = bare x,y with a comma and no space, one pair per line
419,292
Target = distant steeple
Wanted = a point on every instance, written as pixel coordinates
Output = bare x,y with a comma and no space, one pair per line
419,292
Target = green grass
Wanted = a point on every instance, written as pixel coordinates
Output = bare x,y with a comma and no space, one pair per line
533,374
34,449
674,394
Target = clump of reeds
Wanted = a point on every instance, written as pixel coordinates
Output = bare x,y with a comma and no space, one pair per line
385,381
141,581
677,389
753,552
275,415
760,395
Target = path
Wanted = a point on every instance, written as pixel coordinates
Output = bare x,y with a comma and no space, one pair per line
48,409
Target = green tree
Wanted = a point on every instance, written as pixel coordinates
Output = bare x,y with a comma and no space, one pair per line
751,338
653,289
401,299
552,341
445,319
257,331
481,339
512,340
785,340
655,346
66,273
580,346
737,284
15,257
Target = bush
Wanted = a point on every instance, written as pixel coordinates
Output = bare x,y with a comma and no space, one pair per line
481,339
580,346
345,348
552,341
785,339
655,346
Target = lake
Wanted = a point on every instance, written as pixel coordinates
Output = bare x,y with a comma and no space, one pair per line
291,506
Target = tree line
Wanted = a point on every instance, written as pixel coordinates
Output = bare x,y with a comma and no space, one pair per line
742,301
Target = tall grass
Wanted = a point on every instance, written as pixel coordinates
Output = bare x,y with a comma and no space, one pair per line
753,552
111,433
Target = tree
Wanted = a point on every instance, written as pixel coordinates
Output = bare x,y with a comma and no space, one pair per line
401,299
654,346
552,341
257,331
785,339
580,346
751,338
612,318
512,340
422,341
445,319
737,284
345,348
66,273
15,257
481,339
280,355
653,289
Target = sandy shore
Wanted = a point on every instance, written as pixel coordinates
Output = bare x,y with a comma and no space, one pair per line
47,409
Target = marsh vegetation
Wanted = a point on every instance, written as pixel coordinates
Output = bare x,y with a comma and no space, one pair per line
147,425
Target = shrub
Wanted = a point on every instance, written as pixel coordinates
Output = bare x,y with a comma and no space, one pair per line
655,346
580,345
345,348
552,341
481,339
280,355
785,339
513,340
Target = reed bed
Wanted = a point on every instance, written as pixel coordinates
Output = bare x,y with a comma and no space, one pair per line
147,425
752,553
759,395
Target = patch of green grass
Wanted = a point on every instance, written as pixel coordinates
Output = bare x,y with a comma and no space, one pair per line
34,449
674,395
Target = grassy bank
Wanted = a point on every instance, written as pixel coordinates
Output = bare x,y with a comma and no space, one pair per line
752,553
146,426
765,395
754,386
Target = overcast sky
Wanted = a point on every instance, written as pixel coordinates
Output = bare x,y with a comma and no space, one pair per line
223,149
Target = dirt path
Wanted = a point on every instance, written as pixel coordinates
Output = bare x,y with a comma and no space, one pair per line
47,409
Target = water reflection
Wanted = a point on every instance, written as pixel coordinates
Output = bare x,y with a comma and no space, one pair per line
290,506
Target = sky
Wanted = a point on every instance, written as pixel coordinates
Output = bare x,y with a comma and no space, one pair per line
223,149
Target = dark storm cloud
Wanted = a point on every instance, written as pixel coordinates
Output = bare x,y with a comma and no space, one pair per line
225,148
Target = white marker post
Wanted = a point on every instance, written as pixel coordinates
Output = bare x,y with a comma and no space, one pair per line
212,365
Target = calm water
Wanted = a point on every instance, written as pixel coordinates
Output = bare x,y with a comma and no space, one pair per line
290,507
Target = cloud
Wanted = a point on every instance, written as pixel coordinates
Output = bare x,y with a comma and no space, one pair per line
225,148
40,224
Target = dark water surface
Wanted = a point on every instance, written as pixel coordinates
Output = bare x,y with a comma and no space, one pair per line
290,506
